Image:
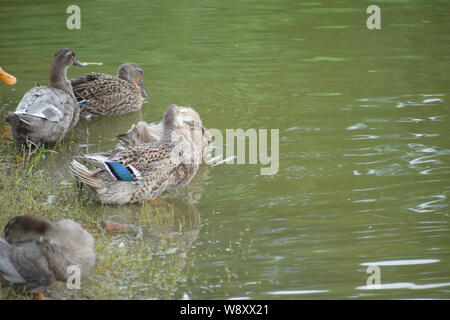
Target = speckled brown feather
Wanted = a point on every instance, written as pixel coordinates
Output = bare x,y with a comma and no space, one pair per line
106,95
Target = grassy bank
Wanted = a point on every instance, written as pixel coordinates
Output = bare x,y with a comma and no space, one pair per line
150,263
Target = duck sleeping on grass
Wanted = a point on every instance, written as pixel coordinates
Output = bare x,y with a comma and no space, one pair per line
143,172
36,252
102,94
46,114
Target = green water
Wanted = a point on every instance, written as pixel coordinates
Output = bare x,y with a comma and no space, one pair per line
363,119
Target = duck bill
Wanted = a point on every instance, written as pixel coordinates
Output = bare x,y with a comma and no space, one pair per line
77,62
143,92
7,78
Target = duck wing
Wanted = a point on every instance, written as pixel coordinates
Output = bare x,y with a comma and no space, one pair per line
82,82
71,245
102,94
31,263
130,163
44,102
6,267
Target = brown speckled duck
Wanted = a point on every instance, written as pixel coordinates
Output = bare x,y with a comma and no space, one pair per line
102,94
36,252
145,133
143,172
46,114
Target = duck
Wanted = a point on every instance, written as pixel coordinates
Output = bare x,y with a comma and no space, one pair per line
101,94
143,132
46,114
141,173
7,78
35,252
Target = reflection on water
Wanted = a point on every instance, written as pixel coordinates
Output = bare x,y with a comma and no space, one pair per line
175,217
363,118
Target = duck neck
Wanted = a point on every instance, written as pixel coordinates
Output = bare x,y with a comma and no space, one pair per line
170,134
58,78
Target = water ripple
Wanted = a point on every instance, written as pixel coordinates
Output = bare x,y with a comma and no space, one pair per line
357,126
430,206
404,285
295,292
400,262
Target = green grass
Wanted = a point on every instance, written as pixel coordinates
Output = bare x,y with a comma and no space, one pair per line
148,265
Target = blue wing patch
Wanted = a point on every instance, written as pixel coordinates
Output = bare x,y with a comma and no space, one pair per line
83,104
120,172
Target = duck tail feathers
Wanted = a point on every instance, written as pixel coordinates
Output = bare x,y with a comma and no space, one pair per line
17,120
98,159
82,174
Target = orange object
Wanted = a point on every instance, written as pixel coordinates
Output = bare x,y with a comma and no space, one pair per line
7,78
157,202
40,295
111,226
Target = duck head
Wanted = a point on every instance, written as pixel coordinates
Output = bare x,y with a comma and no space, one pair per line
134,73
66,57
62,60
26,228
